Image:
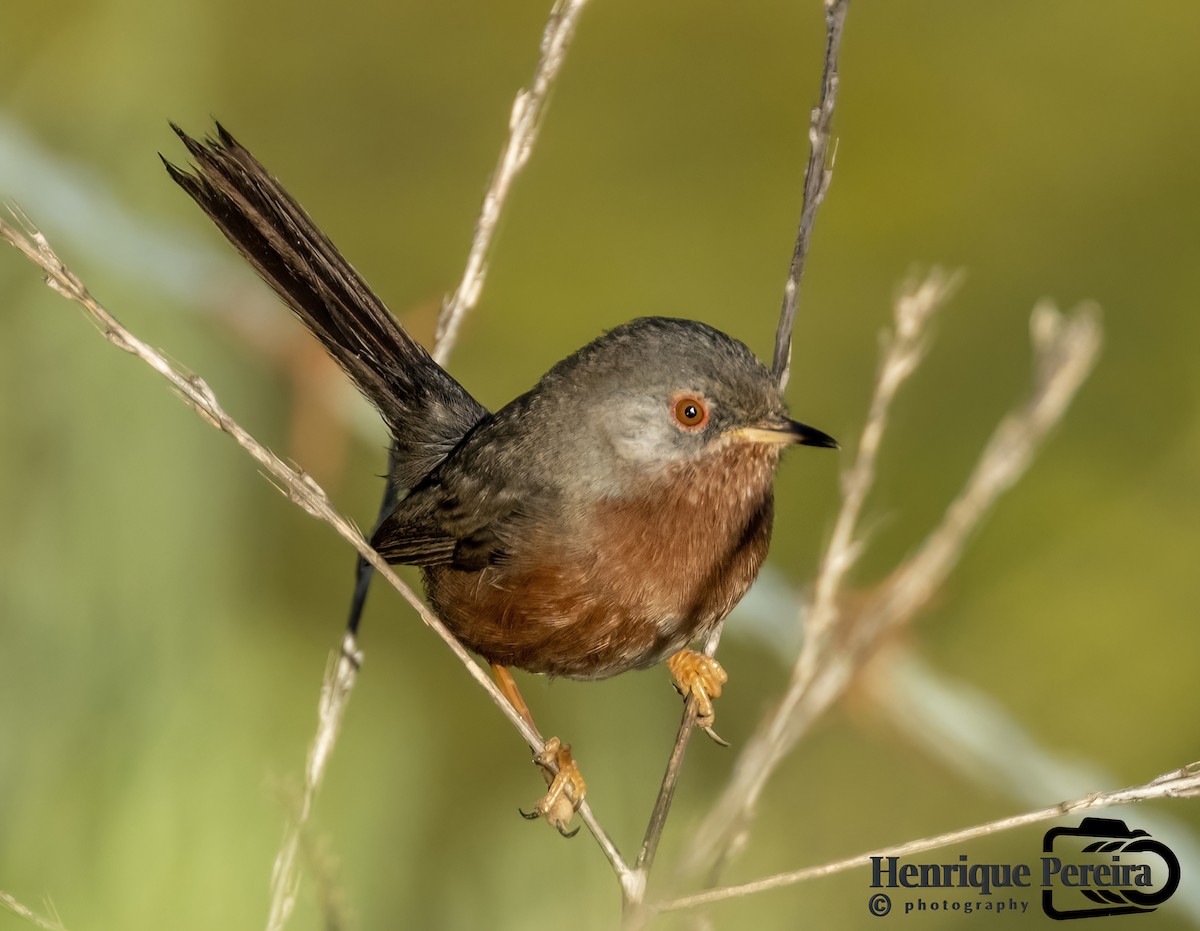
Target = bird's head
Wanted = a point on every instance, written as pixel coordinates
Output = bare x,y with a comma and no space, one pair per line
658,391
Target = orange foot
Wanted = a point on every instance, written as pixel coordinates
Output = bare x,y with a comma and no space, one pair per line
702,677
566,787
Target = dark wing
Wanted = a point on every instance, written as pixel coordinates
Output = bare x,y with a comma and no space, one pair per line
427,541
426,410
431,527
468,511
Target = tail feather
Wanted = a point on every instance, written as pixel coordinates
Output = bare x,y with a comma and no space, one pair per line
425,409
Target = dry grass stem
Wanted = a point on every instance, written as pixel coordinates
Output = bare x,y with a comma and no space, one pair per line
1065,350
299,488
527,111
818,175
915,306
336,687
21,911
1181,783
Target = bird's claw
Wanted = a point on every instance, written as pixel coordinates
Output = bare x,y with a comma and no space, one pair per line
566,787
701,677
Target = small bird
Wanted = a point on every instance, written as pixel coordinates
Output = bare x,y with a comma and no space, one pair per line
600,522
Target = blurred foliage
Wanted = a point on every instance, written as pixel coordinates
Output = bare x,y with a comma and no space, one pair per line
165,616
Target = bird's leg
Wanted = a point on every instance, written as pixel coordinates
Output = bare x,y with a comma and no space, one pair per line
508,685
566,787
701,676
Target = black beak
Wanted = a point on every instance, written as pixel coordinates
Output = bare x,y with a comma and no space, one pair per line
779,431
809,436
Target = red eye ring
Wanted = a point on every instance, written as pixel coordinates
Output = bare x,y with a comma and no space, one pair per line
690,412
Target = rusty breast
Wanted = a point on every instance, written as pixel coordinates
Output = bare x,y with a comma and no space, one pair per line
638,579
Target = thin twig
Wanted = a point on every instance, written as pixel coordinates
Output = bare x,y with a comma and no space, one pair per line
666,791
335,697
1065,349
1181,783
527,111
816,182
662,805
301,489
817,176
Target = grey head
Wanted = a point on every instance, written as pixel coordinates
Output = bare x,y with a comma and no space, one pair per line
658,391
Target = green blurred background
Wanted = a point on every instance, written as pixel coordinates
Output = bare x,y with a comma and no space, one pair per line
165,616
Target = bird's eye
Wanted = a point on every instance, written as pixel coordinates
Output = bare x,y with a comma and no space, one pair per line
690,412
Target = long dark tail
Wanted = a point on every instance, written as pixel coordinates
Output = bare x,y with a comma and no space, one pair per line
425,409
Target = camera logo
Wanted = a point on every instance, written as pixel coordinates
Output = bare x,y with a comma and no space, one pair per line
1103,868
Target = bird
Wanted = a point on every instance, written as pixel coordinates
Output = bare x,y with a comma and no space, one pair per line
600,522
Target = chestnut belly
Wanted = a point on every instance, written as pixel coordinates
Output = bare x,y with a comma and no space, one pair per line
619,607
